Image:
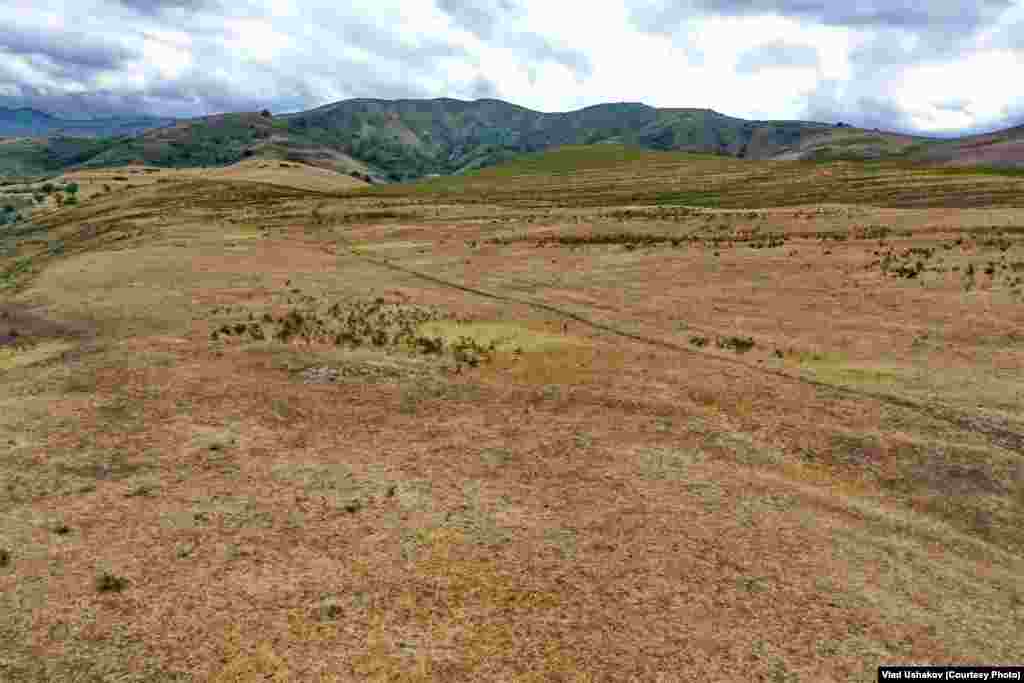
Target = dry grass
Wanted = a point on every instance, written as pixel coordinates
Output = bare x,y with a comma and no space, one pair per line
599,500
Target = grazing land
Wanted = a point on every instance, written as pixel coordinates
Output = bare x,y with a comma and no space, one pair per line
596,414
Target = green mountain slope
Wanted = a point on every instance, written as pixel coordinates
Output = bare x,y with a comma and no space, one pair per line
406,139
43,156
419,137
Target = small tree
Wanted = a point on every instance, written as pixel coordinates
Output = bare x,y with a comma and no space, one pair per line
48,188
71,188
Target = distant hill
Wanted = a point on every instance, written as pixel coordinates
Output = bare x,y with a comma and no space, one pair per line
393,140
419,137
26,122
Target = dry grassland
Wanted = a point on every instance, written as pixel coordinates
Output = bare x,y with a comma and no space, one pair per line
529,425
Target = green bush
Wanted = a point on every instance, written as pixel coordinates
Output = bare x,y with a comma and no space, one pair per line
107,582
71,188
737,344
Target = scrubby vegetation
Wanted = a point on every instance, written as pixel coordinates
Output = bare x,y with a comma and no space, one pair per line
352,325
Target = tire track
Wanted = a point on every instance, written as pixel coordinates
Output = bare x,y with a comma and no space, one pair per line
998,434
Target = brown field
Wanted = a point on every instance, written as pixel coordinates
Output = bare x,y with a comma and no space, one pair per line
596,418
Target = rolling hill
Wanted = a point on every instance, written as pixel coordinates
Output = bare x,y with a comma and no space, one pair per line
398,140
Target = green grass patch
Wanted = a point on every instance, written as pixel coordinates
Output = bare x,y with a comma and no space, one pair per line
835,369
9,276
506,337
1011,171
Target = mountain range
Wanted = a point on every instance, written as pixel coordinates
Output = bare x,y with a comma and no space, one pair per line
28,122
396,140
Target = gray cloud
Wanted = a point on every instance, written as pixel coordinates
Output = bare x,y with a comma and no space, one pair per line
489,20
941,31
777,54
69,47
538,48
663,16
111,65
376,40
479,17
153,7
830,103
943,28
870,107
484,89
1010,37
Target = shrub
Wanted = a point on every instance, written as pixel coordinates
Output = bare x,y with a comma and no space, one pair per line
737,344
110,583
71,188
48,188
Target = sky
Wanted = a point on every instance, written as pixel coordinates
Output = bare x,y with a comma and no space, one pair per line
923,66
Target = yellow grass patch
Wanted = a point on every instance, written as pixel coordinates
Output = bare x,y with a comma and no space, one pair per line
289,174
386,246
253,234
833,369
14,358
508,337
261,665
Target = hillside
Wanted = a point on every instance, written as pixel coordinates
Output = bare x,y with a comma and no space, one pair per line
546,421
420,137
402,140
220,140
41,156
605,174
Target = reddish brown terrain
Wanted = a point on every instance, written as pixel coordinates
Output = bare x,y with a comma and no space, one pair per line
536,424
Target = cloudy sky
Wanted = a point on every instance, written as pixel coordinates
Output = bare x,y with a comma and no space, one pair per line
918,65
